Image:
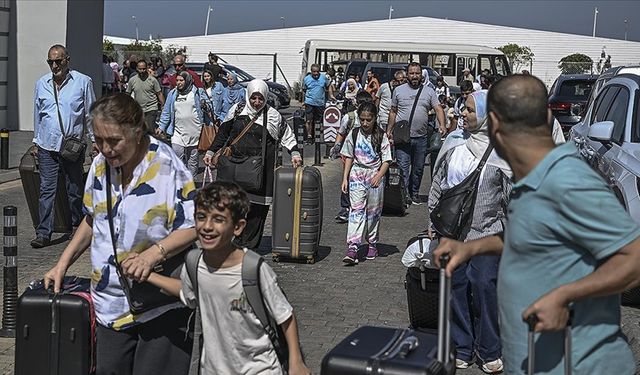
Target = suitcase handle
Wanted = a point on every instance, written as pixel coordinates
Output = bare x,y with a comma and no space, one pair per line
531,321
444,313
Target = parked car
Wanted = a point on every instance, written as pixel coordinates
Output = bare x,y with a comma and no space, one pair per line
609,139
605,76
278,94
568,96
383,70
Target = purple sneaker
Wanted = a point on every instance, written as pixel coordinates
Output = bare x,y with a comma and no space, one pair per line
351,259
372,253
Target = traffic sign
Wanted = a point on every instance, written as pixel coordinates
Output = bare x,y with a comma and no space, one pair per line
332,117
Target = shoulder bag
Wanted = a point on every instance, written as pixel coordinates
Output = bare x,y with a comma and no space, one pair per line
142,296
454,210
72,147
402,129
246,171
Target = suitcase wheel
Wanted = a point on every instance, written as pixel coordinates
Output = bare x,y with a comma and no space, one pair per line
311,260
276,258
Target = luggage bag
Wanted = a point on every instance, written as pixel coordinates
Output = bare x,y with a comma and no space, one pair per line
54,333
382,350
531,321
297,213
395,193
422,285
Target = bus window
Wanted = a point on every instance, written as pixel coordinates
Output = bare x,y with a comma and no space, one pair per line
485,64
502,66
442,63
397,57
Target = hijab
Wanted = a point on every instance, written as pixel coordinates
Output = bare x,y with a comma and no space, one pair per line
188,83
351,94
256,86
476,140
233,93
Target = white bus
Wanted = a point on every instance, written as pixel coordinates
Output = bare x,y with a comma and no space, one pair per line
447,59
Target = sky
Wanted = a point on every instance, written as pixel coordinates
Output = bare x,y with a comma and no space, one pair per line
175,18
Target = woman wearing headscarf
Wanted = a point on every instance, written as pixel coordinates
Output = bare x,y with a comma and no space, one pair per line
474,284
255,107
351,91
182,119
232,94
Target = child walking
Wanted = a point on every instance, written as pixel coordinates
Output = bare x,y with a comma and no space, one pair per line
368,153
235,342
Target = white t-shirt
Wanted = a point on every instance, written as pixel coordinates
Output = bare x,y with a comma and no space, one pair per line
187,126
234,340
384,94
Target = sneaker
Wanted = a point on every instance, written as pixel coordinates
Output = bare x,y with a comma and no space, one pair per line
493,367
462,364
40,242
416,200
351,259
342,218
372,253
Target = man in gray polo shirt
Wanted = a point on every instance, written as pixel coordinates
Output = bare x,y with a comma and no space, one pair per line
411,155
568,244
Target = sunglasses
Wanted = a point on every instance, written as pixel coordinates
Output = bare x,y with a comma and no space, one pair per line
178,65
57,61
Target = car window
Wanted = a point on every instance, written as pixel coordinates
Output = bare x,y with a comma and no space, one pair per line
578,89
618,114
603,103
636,118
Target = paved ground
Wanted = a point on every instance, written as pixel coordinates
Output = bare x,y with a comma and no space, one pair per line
330,300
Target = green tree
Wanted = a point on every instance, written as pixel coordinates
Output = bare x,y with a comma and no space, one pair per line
108,48
518,56
576,63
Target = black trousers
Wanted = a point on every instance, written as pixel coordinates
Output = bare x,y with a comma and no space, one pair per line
159,346
252,233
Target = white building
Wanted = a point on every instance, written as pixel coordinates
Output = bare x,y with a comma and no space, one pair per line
288,43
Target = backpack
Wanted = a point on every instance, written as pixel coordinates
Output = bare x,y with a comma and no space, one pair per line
251,284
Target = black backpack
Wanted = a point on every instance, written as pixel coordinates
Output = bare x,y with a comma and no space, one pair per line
251,284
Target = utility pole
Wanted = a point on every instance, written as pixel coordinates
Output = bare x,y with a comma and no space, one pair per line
595,21
390,10
282,18
206,26
135,21
626,28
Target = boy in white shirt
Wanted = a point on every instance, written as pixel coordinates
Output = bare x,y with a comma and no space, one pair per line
235,342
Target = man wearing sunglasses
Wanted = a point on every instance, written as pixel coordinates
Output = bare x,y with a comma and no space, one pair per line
179,66
62,102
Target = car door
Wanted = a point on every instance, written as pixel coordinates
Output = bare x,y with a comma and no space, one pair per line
594,151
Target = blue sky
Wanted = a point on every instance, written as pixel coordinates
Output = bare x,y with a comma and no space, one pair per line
188,17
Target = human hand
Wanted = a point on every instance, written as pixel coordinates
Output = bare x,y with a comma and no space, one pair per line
345,186
298,368
443,130
159,133
34,150
551,310
54,277
457,251
296,161
335,151
206,159
390,136
375,181
139,266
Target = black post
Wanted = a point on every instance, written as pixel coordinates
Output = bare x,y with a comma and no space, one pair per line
317,162
10,282
298,129
275,66
4,149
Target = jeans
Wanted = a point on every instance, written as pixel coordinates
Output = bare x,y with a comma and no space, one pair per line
150,120
411,159
474,309
50,164
189,156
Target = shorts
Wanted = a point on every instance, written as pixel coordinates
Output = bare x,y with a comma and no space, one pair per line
314,113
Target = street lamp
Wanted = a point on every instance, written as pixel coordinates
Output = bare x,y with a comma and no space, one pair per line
136,23
282,18
626,28
595,21
206,26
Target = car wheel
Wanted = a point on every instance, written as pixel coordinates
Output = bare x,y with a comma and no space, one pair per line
631,297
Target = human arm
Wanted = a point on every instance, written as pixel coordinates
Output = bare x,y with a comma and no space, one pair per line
296,362
76,247
442,124
166,283
348,163
158,90
393,112
617,274
375,181
222,136
36,112
89,98
461,252
165,117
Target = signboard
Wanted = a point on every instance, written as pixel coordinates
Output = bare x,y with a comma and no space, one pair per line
331,123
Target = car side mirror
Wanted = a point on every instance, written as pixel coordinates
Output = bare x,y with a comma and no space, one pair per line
601,131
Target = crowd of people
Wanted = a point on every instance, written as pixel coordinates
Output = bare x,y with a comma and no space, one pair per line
540,240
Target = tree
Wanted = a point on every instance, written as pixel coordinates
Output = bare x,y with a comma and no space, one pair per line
108,48
518,56
576,63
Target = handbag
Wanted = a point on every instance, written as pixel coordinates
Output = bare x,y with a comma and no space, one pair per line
402,129
454,209
72,148
207,135
142,296
246,171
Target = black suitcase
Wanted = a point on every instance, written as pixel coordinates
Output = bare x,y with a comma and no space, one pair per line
422,285
297,213
54,334
381,350
395,193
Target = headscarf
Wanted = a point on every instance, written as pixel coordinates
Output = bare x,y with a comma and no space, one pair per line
351,94
188,83
233,93
255,86
476,140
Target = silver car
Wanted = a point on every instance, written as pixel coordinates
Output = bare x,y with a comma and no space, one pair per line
609,139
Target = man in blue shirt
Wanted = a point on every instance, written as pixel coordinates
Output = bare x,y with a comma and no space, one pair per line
314,87
568,244
62,100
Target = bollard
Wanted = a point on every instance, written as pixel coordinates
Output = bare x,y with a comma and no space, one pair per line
298,129
4,149
10,282
317,162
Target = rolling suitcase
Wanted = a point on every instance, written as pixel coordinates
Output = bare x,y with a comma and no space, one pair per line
381,350
531,321
55,333
297,213
422,285
30,177
395,193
